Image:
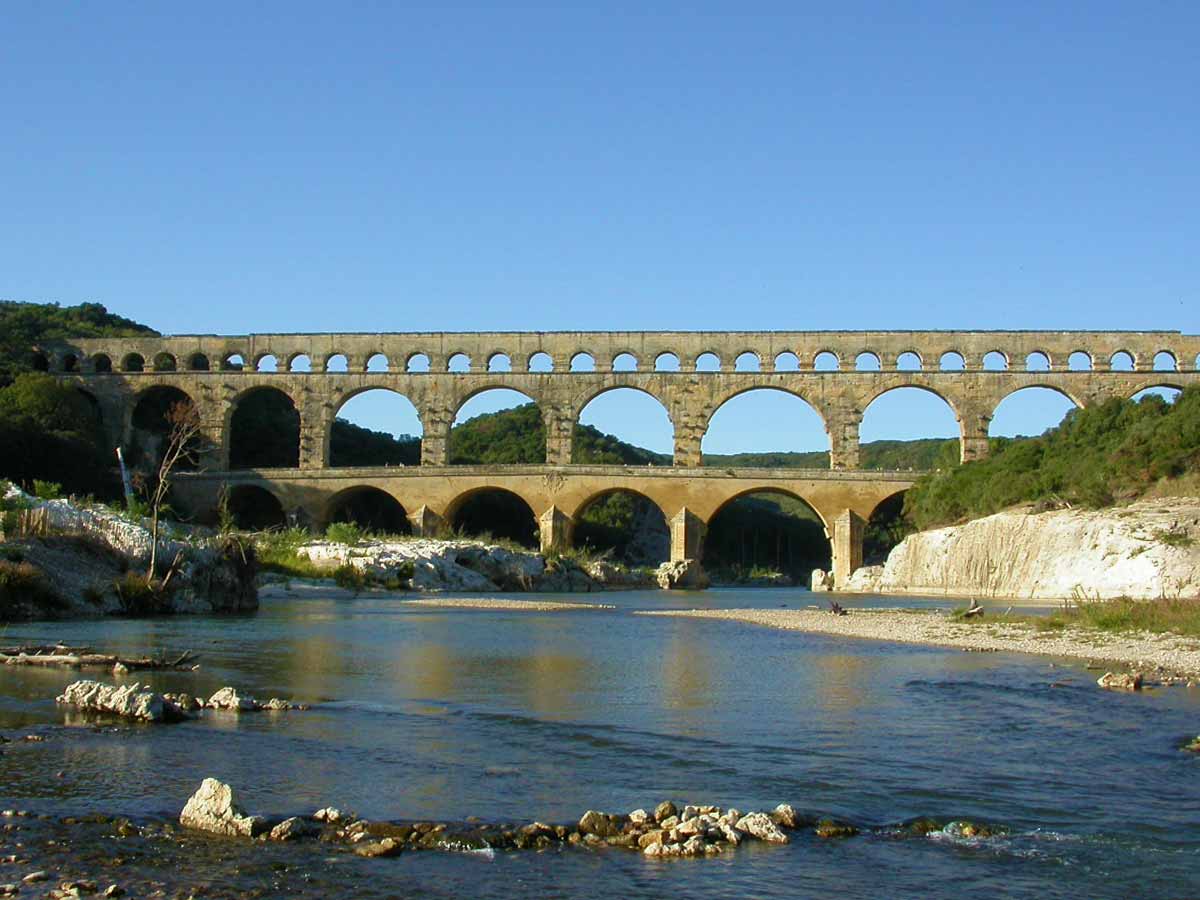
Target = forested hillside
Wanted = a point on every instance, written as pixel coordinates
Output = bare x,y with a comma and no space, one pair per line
1104,454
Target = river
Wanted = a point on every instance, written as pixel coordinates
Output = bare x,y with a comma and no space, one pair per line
442,714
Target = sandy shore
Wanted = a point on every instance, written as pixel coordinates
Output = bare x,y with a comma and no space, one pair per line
502,603
1171,654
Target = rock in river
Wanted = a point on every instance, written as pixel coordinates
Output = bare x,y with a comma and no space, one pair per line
212,808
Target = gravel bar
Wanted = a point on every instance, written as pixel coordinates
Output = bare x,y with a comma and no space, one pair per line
502,603
1170,653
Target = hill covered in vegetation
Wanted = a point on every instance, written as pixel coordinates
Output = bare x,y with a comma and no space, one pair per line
1109,453
23,325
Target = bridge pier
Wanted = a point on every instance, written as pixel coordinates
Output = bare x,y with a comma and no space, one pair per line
687,535
843,443
847,540
426,523
555,529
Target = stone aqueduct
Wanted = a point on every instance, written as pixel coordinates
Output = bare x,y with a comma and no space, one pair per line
838,373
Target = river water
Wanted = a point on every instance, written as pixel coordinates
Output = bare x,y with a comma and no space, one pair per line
443,714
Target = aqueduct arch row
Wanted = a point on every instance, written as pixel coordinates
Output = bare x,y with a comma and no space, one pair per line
690,373
841,405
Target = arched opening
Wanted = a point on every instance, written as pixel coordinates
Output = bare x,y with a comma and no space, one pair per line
498,426
826,361
102,363
370,509
495,513
708,362
995,361
254,508
747,362
908,428
886,528
300,363
1167,392
624,526
267,363
418,362
1029,411
666,362
766,537
625,362
1196,365
154,414
736,435
1037,361
198,362
264,431
41,363
583,362
908,361
459,362
867,362
499,362
541,362
952,361
133,362
624,425
164,362
1165,361
233,362
1079,361
787,361
378,427
338,362
1122,361
377,362
70,363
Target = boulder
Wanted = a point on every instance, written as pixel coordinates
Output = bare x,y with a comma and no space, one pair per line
828,828
665,810
385,847
639,817
821,580
1120,681
293,828
212,808
602,825
785,817
759,825
228,698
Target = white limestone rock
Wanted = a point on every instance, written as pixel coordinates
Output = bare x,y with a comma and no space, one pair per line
1144,551
212,808
759,825
128,701
228,698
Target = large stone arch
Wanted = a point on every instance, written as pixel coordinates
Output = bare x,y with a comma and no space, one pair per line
1143,384
254,507
570,416
947,397
369,506
146,426
531,395
753,528
461,506
722,400
649,526
237,424
338,402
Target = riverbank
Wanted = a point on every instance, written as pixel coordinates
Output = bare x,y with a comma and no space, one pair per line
1172,655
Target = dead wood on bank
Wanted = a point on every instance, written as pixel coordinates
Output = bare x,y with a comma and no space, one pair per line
84,657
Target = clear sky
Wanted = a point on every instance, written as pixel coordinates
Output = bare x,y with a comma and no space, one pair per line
380,167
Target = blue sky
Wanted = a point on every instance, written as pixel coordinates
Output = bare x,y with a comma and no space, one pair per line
374,167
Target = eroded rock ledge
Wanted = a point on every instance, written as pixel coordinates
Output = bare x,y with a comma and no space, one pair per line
131,701
1144,551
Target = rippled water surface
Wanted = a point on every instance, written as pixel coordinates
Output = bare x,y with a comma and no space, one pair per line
510,716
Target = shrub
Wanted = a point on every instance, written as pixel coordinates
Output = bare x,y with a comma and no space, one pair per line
139,597
350,578
345,533
46,490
